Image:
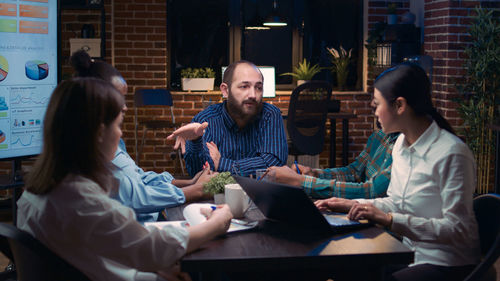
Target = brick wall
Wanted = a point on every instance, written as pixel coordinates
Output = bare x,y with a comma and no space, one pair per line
140,54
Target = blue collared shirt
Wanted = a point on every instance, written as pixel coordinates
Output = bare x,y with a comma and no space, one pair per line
147,193
261,144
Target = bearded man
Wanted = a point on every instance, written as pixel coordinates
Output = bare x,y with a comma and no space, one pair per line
241,134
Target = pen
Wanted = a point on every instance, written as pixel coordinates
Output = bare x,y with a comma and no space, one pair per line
263,175
297,167
213,208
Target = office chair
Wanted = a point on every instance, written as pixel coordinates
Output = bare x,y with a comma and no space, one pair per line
307,113
33,260
150,98
487,210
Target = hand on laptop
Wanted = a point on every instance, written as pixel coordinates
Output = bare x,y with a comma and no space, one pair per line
368,211
335,204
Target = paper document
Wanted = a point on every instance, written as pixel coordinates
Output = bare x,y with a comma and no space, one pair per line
193,216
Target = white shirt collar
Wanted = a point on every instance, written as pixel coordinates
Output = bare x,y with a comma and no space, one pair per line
424,142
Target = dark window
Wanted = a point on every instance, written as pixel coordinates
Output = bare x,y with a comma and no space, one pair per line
197,33
214,33
331,23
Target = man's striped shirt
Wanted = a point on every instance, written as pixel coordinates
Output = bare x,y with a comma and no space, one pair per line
261,144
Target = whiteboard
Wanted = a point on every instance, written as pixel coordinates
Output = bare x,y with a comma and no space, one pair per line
269,80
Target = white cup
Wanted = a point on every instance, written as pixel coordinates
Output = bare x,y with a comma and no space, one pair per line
236,199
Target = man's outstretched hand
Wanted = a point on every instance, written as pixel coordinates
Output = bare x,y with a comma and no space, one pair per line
190,131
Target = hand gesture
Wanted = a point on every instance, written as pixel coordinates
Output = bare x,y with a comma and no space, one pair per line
335,204
214,154
190,131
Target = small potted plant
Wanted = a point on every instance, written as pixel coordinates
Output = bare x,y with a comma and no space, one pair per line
303,72
341,60
216,185
198,79
392,17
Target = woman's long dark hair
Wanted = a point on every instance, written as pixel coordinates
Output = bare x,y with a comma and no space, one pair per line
410,81
77,110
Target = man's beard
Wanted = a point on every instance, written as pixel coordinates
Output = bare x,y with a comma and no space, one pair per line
237,111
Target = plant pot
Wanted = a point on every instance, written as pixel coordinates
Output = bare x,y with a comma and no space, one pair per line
392,19
198,84
300,82
219,198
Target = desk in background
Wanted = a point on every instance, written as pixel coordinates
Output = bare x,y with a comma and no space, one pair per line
275,248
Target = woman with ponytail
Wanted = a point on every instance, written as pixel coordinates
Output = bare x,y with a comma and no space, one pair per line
429,199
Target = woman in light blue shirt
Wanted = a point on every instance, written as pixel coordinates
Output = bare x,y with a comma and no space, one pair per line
429,199
147,192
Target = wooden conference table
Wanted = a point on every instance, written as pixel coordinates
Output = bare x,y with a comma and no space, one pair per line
273,248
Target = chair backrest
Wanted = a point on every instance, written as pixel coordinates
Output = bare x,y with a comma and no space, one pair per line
33,260
307,113
146,97
154,97
487,211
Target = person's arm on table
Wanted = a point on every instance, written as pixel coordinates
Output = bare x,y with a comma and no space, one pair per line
186,182
195,192
324,188
144,198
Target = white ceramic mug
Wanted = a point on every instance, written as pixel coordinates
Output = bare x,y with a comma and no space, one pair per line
236,199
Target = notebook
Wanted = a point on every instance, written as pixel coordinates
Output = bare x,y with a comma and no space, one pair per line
291,205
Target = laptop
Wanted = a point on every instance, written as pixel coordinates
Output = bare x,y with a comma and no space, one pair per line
291,205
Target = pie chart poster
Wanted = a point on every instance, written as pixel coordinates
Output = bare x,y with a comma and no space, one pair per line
28,73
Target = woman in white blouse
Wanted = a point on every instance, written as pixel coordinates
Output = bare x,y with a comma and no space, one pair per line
429,199
66,204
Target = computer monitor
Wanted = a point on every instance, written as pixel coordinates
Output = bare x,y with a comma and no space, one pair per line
28,73
269,80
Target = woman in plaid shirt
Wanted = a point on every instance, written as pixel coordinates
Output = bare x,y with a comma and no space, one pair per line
367,177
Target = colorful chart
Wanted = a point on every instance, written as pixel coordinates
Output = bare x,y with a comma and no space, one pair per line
2,136
36,69
4,68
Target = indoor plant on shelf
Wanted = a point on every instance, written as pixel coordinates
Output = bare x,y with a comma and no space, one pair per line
198,79
216,185
340,60
303,72
392,17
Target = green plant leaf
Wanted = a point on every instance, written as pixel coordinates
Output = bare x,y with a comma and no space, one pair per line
216,184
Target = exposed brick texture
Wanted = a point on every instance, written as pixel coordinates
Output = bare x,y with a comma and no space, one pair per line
140,54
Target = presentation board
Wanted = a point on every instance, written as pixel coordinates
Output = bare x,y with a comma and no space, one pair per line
28,73
269,80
